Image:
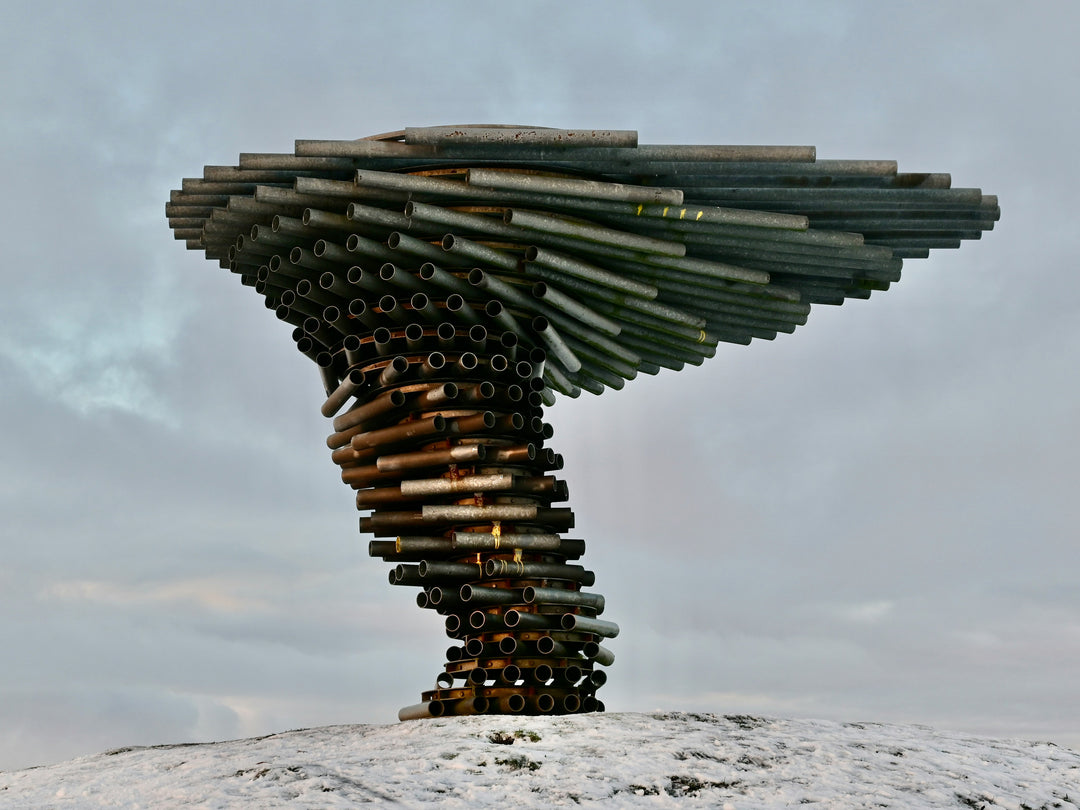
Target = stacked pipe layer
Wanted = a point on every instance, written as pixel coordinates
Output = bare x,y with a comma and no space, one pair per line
451,281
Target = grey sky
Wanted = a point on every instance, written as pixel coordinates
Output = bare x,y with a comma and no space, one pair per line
872,519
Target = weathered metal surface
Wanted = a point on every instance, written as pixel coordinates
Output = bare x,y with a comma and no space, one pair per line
450,281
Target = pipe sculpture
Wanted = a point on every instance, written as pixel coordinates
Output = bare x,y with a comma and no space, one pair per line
448,282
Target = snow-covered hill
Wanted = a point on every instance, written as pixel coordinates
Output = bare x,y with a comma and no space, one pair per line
621,760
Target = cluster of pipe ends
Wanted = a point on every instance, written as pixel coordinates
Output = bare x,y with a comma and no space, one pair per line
449,282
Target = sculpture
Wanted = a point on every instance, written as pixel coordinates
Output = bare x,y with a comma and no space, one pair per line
450,281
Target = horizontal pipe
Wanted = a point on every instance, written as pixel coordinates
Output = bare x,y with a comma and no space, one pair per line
520,136
448,281
392,220
362,246
421,711
317,219
518,454
399,433
522,620
382,404
430,570
486,541
420,459
481,595
547,223
513,569
456,512
437,396
573,187
404,243
470,483
403,574
470,251
559,596
584,624
392,274
484,621
409,545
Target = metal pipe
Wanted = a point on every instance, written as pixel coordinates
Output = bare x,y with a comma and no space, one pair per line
448,281
514,569
392,372
522,620
362,246
480,392
404,243
520,136
382,338
476,423
391,220
388,306
555,343
495,310
546,645
329,378
456,306
573,187
536,594
358,310
432,365
468,484
478,252
421,428
546,223
432,458
403,279
482,620
487,541
382,404
436,396
409,545
317,219
367,280
478,514
348,387
584,624
414,337
612,301
555,297
421,305
421,711
481,595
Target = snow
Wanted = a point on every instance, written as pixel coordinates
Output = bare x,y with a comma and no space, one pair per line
619,760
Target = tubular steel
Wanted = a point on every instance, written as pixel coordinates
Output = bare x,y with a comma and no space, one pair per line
450,281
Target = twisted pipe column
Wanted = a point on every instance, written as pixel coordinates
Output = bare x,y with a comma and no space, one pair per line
447,449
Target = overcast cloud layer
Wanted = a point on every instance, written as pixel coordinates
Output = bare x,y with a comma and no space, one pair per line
873,519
